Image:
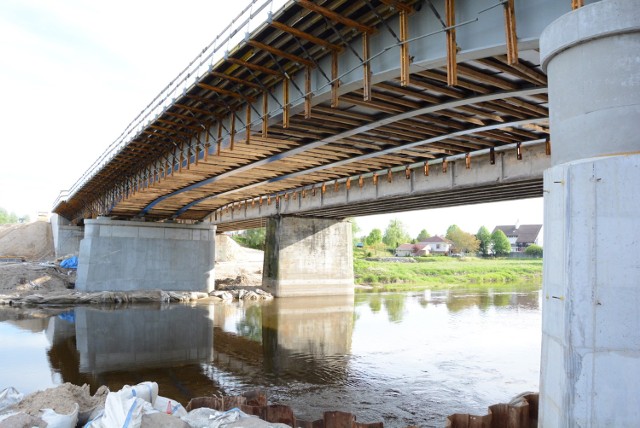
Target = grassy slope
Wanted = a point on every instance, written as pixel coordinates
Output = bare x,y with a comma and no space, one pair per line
436,272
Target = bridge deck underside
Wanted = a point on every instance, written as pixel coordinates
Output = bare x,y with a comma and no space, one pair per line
196,158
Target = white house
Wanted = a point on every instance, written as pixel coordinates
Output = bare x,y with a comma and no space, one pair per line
520,237
438,245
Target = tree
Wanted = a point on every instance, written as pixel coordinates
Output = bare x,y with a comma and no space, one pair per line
501,245
423,235
451,230
463,242
484,241
395,234
374,237
252,238
354,231
6,217
533,250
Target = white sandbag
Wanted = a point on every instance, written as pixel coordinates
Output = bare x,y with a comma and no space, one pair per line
204,417
169,406
57,420
148,391
122,410
9,397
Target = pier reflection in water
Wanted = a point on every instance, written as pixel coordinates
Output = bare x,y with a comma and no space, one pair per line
405,358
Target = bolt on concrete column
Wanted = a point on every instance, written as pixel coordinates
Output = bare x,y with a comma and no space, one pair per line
308,257
591,322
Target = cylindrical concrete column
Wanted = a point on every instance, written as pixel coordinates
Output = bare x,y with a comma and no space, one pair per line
590,366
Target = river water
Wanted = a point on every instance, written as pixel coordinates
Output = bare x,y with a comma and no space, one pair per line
402,358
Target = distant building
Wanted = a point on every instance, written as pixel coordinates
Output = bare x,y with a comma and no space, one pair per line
433,245
520,237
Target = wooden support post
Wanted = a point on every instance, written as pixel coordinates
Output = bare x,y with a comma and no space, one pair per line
232,135
324,188
348,184
307,93
576,4
336,186
361,181
519,151
335,82
407,173
389,176
547,147
426,168
510,31
445,164
285,103
375,179
219,139
467,161
452,48
248,123
404,48
265,114
492,156
366,67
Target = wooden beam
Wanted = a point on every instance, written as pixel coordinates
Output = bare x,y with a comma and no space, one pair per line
173,131
510,31
452,47
397,5
278,52
333,16
182,125
254,67
366,67
404,48
220,90
576,4
193,109
306,36
224,76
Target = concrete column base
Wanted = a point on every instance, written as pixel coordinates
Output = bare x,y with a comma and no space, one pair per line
591,323
130,256
308,257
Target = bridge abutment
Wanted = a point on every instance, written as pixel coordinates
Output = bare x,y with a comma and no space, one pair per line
308,257
130,256
591,324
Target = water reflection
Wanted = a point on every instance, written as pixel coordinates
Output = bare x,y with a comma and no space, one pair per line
404,358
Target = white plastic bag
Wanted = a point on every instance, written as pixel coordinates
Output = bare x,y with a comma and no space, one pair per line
126,407
204,417
57,420
169,406
9,397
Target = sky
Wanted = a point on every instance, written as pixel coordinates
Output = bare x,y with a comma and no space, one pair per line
74,73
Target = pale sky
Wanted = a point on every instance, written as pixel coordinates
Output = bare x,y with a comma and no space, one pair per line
74,73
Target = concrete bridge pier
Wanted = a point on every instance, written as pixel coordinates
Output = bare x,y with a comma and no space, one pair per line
307,256
131,256
590,363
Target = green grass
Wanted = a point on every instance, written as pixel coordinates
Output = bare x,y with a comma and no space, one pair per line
446,272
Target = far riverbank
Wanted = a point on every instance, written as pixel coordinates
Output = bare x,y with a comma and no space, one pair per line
437,272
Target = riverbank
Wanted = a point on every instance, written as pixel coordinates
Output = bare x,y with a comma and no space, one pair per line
397,274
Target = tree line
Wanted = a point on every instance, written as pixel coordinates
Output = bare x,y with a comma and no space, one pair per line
7,218
483,243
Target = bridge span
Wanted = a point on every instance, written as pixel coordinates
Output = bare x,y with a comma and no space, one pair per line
302,113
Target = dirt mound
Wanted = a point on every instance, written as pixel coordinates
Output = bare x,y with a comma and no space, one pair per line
32,241
21,279
228,250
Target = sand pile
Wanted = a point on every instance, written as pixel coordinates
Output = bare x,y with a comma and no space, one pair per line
62,398
19,279
33,241
237,265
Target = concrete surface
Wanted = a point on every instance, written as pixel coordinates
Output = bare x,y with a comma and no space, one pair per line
127,255
308,257
66,237
591,324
